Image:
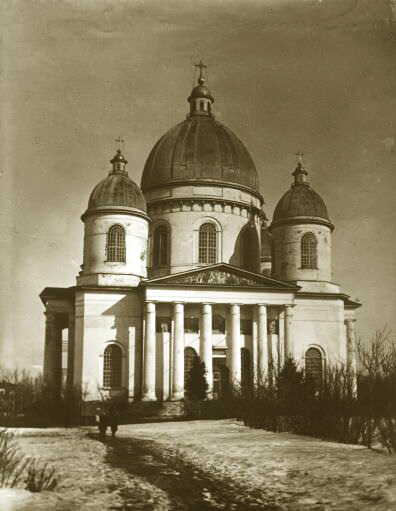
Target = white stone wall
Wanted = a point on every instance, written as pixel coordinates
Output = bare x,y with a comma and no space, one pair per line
287,253
319,323
103,318
95,258
185,218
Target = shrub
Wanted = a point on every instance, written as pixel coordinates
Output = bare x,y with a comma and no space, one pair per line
12,462
16,468
345,407
40,476
197,386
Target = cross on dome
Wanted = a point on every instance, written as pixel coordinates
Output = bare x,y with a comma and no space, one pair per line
300,173
201,66
119,161
119,141
201,98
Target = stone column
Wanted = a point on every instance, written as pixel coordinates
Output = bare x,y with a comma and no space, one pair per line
131,362
53,354
235,346
289,348
255,346
351,346
70,352
149,369
205,347
178,353
262,366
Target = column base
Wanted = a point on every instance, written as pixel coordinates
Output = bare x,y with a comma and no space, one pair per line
149,397
177,396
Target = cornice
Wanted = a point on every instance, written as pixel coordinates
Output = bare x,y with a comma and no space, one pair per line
298,220
124,210
179,202
206,182
350,304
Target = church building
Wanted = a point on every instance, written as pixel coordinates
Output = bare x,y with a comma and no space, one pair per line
187,265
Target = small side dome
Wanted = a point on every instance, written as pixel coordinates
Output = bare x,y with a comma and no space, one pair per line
301,203
117,190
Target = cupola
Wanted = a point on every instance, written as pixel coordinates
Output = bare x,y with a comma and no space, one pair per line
115,231
117,190
200,151
201,99
301,203
301,236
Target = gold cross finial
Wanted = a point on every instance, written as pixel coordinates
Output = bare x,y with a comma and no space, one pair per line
300,155
201,67
119,141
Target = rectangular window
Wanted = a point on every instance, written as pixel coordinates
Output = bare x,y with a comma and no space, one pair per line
246,326
191,325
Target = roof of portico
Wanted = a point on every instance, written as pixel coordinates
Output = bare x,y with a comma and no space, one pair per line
221,275
57,293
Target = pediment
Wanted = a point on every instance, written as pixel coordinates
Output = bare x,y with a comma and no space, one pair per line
221,275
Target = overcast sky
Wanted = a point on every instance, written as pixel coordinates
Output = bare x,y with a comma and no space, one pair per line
313,76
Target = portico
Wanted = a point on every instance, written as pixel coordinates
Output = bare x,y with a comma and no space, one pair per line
192,306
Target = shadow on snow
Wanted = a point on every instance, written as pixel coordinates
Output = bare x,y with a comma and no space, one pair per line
187,487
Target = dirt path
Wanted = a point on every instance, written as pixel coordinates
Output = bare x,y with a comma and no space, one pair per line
186,486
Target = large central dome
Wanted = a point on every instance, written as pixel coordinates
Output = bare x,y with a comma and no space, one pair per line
200,150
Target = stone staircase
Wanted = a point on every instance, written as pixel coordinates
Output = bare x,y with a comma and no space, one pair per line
140,411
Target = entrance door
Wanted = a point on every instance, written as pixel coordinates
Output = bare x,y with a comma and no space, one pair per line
220,378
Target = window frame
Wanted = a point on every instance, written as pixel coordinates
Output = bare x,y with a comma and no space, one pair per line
309,372
116,248
207,243
112,379
309,251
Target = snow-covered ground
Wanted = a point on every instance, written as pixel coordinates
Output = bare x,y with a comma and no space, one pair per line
204,465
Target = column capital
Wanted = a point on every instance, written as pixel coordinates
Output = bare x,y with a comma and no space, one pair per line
149,305
289,309
235,308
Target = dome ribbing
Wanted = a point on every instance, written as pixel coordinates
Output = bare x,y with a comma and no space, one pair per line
117,189
200,150
301,203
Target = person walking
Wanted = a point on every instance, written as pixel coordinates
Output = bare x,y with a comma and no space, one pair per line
102,424
112,420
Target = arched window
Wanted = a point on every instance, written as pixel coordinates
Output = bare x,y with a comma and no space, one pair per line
309,256
161,247
207,244
115,247
314,365
112,363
